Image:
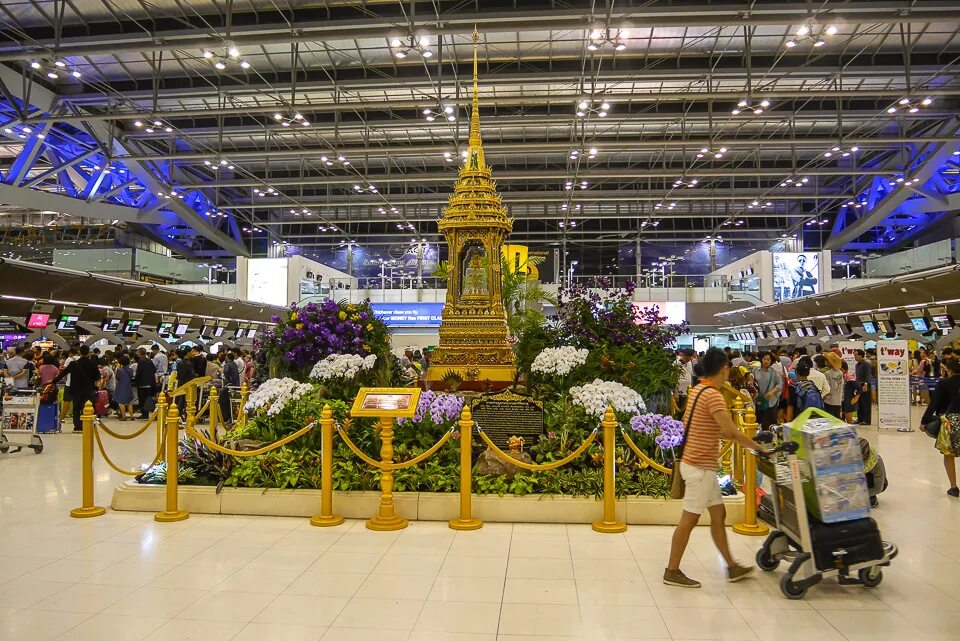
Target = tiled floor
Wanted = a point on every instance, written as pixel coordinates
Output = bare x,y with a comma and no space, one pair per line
125,577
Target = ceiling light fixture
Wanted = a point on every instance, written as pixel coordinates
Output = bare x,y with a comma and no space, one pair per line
227,55
811,33
583,184
588,106
747,106
909,105
296,118
152,126
413,44
55,69
447,111
685,182
613,38
590,153
796,182
708,151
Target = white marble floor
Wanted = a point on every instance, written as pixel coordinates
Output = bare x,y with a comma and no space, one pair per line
123,577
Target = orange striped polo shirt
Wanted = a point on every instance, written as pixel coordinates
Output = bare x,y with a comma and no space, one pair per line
702,448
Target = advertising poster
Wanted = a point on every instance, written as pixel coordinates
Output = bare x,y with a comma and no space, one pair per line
848,350
795,275
893,384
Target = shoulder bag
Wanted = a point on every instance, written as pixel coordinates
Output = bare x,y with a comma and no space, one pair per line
678,486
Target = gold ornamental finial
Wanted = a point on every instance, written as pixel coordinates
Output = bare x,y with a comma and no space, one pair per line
475,141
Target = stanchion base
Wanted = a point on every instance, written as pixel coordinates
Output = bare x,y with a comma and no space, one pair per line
757,529
609,527
326,521
87,512
171,517
465,524
386,523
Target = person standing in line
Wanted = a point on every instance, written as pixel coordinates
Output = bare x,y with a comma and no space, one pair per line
819,378
145,380
945,400
707,421
123,394
863,377
685,362
768,388
160,362
84,374
231,379
833,400
17,370
67,407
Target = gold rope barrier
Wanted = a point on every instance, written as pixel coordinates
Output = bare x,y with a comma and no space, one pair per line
172,512
646,460
535,467
420,458
194,434
127,437
466,521
326,517
609,523
750,526
103,453
87,509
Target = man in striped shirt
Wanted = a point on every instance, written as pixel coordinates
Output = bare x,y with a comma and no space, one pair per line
707,421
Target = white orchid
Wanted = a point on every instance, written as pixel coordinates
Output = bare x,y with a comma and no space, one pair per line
275,393
342,366
559,361
596,396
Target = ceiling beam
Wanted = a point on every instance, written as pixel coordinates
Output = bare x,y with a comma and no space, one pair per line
77,207
323,29
355,104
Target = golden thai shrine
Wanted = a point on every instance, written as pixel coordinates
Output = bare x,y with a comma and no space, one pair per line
473,334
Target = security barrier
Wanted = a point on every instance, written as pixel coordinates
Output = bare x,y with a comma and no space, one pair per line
167,420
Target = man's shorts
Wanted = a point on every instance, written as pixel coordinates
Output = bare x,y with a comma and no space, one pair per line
67,395
702,489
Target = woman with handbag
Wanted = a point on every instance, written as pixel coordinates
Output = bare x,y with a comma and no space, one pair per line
706,421
941,421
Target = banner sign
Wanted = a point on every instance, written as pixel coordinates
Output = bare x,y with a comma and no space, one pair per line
409,314
795,275
893,384
848,350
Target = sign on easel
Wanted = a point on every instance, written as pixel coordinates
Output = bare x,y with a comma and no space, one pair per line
893,384
848,351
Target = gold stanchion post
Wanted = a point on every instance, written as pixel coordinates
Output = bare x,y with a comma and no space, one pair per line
213,414
161,422
242,412
731,460
386,520
326,518
191,406
609,523
750,526
173,512
87,509
466,520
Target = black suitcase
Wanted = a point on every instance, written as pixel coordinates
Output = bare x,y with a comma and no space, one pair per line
859,540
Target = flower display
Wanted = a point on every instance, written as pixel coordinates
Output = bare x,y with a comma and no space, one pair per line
559,361
342,366
274,395
310,333
439,408
594,397
667,432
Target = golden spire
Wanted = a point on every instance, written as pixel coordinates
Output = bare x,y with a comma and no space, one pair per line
476,144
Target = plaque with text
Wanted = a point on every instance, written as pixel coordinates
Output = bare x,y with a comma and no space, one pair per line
507,414
383,402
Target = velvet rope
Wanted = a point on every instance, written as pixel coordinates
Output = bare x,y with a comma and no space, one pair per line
538,466
127,437
194,434
649,462
103,453
390,467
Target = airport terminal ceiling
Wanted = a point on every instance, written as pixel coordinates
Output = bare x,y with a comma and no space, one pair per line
256,128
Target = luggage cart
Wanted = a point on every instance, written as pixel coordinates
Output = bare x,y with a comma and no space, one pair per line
791,538
235,397
18,421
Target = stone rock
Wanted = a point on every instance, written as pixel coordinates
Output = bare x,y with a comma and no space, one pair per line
490,464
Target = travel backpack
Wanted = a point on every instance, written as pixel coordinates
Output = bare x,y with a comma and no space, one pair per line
808,396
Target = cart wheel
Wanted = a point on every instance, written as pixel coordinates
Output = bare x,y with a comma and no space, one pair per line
791,589
36,445
4,448
870,577
765,560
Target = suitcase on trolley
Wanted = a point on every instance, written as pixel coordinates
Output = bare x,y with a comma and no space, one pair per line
48,418
101,403
845,543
